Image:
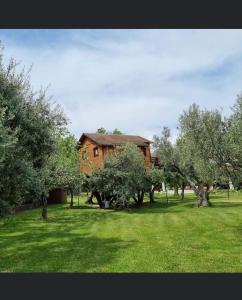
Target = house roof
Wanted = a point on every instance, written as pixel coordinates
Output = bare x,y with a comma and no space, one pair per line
115,139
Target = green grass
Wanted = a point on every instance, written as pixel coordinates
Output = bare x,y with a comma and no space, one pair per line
178,237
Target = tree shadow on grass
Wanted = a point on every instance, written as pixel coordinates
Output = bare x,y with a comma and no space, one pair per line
84,206
62,244
226,204
173,206
65,253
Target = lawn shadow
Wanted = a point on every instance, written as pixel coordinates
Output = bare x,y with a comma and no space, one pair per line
65,253
61,244
84,206
226,204
158,207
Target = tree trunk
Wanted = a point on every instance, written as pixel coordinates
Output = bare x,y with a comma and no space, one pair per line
176,191
140,195
89,199
44,210
182,191
99,199
135,199
71,204
152,200
202,196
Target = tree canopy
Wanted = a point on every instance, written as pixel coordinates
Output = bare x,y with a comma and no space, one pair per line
64,166
29,128
207,150
102,130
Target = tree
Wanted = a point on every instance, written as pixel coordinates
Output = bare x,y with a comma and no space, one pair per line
169,157
183,163
204,140
101,130
116,131
104,131
121,178
29,128
232,131
154,179
64,166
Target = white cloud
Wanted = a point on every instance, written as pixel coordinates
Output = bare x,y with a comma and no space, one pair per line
134,80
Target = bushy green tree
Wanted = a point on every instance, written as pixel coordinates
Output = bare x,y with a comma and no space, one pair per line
199,155
102,130
64,166
169,158
29,128
232,154
154,179
117,131
121,178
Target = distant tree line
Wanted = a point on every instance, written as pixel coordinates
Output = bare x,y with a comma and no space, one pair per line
102,130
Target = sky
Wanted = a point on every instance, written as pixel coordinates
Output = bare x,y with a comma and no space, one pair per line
135,80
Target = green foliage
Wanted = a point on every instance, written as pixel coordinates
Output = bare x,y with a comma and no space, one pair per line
207,150
233,142
101,131
29,127
122,176
64,165
116,131
170,159
154,177
104,131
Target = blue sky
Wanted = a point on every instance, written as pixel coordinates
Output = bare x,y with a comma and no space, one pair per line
134,80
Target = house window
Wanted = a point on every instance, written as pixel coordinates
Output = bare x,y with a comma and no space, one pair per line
95,151
84,155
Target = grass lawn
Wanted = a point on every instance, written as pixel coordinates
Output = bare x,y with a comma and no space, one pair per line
178,237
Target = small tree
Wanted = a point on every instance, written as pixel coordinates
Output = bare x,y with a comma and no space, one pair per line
154,180
104,131
101,130
121,178
64,166
116,131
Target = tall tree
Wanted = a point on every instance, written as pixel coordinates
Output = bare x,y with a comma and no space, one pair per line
29,126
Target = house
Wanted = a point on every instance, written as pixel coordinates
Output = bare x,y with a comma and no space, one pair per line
94,147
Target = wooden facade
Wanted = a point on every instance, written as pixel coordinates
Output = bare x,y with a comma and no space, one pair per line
94,148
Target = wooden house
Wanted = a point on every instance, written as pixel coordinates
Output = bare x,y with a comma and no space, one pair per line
94,148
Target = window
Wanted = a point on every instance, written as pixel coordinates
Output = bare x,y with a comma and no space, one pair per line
84,155
95,151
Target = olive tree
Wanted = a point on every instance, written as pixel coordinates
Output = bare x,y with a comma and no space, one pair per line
64,166
154,179
121,178
29,127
